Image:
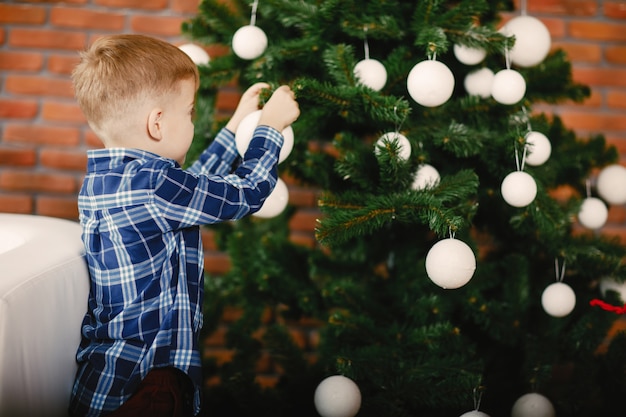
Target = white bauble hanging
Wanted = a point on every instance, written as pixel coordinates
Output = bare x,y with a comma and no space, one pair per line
479,82
371,73
519,189
426,176
245,130
508,86
197,54
593,213
611,184
611,284
468,55
249,42
276,202
533,405
474,413
538,148
558,299
430,83
337,396
532,40
404,146
450,263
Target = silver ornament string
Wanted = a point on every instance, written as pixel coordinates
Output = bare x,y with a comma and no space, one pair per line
255,5
520,167
561,275
588,187
523,7
477,397
366,47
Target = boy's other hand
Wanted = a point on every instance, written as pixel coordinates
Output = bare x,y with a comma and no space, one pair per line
281,110
248,103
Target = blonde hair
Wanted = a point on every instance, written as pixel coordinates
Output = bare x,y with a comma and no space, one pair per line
119,71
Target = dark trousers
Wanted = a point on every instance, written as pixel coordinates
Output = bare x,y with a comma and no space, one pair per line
164,392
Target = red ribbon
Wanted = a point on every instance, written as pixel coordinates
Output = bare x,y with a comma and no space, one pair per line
608,307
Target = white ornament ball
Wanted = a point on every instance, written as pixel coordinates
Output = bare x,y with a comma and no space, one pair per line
611,184
197,54
610,284
593,213
508,86
474,413
426,176
245,130
249,42
479,82
337,396
519,189
430,83
533,405
538,148
468,55
532,40
404,146
558,299
275,203
450,263
371,73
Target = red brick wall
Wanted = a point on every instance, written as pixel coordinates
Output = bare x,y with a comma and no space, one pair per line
43,135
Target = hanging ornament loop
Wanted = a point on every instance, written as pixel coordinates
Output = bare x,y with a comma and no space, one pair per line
255,5
559,274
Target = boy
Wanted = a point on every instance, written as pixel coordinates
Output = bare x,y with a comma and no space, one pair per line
141,215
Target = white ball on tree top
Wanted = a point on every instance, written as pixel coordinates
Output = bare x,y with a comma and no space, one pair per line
479,82
450,263
593,213
426,176
538,148
246,128
249,42
337,396
430,83
508,86
371,73
532,40
611,184
558,299
197,54
533,405
519,189
468,55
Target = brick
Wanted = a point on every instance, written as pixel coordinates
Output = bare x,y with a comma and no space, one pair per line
208,240
304,220
216,263
580,52
598,122
134,4
71,160
563,7
617,214
25,157
185,6
306,239
92,140
39,86
608,77
62,112
227,100
618,142
83,18
16,203
615,54
18,109
62,64
21,61
616,99
48,39
41,134
303,197
22,14
614,9
25,180
599,31
64,207
157,25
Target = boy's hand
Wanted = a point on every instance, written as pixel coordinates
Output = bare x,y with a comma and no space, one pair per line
248,103
281,110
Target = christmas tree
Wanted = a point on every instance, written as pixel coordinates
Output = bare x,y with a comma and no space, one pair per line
458,251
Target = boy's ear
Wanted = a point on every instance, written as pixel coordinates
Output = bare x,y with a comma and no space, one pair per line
155,123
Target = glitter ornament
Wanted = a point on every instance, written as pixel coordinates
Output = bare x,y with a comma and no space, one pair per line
610,284
430,83
450,263
474,413
533,405
425,177
558,299
532,40
611,184
539,148
275,203
371,73
479,82
468,55
245,130
593,213
519,189
404,146
508,86
197,54
337,396
249,42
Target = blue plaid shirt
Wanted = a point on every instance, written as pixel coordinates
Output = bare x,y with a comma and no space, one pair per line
141,216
